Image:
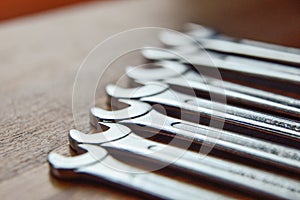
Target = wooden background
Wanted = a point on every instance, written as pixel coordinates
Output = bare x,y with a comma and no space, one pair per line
39,59
17,8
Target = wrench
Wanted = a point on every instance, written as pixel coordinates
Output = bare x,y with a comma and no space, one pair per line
141,113
234,46
246,178
97,163
178,74
198,31
156,92
226,62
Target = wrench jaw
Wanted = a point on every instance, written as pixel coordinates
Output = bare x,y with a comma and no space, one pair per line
135,109
158,54
199,31
150,89
65,167
167,69
173,39
115,132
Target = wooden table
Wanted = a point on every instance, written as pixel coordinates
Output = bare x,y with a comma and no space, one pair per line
40,56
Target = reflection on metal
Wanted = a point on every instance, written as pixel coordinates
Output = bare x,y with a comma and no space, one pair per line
240,57
234,92
97,163
230,142
242,117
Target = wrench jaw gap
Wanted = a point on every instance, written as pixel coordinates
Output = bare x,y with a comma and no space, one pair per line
150,89
167,69
65,167
115,132
135,109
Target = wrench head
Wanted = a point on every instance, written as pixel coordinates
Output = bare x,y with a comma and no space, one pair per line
166,69
174,38
199,31
115,132
158,54
135,109
150,89
94,154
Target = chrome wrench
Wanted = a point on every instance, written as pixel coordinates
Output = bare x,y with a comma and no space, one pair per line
156,92
233,46
141,113
236,175
97,163
215,60
199,31
178,74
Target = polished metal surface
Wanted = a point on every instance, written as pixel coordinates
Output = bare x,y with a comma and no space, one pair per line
268,124
226,44
234,92
97,163
215,60
200,31
246,178
267,152
253,152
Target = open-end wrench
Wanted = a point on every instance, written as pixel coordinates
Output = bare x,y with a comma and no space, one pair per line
178,74
200,31
157,92
141,113
97,163
234,46
216,60
235,175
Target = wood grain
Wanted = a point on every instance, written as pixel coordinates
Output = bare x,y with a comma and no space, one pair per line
39,59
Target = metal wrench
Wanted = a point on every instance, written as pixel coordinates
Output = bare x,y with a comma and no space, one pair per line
97,163
178,74
215,60
156,92
232,46
200,31
246,178
247,62
141,113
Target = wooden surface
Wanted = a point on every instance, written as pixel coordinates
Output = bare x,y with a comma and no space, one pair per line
39,59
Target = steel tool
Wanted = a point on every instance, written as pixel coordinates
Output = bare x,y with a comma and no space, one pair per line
199,31
226,62
178,74
97,163
156,92
226,44
239,176
141,113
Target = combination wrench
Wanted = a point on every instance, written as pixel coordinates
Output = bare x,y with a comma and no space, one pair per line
229,173
199,31
98,164
213,60
157,92
140,113
175,73
229,45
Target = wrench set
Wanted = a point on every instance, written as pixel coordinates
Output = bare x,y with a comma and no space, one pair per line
240,132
